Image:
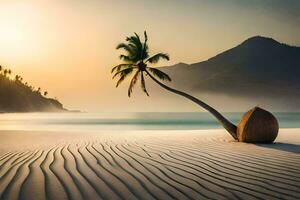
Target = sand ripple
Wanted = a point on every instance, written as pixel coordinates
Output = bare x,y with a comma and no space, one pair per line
177,165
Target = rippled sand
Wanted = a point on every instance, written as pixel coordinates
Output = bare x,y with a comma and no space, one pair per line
147,165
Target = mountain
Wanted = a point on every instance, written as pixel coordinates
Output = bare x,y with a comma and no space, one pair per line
16,96
258,68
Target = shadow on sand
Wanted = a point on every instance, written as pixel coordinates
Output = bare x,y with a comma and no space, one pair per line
292,148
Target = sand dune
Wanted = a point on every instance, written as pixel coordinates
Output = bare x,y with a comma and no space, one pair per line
147,165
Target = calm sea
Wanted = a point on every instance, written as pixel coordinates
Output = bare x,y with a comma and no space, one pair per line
125,121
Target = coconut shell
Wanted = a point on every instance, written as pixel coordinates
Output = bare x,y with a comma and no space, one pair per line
257,126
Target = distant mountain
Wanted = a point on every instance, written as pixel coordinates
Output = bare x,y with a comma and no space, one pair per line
259,67
16,96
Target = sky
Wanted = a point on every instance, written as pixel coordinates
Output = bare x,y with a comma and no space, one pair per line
67,47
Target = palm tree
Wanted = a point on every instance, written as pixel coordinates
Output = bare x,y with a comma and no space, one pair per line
5,72
136,61
17,78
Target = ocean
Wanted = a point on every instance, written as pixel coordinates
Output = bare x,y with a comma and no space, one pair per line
125,121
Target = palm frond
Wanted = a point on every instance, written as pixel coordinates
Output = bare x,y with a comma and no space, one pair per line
121,67
123,72
133,82
126,58
130,49
146,36
122,78
138,37
145,53
143,84
124,46
159,74
135,40
132,46
157,57
136,44
124,75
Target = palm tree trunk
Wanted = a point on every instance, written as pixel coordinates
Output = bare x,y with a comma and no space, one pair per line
231,128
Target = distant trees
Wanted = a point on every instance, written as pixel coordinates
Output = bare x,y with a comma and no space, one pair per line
17,78
6,73
19,96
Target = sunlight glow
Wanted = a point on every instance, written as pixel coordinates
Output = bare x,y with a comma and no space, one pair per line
17,36
72,43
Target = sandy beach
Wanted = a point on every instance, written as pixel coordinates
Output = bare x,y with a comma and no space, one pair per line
204,164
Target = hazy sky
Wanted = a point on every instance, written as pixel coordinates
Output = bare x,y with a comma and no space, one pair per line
68,46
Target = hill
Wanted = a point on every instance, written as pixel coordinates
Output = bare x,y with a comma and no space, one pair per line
259,67
16,96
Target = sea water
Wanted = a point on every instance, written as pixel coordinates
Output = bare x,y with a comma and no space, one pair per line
126,121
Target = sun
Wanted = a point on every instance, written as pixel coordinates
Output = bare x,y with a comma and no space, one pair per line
11,35
16,33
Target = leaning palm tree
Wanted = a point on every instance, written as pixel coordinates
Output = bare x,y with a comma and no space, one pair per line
137,60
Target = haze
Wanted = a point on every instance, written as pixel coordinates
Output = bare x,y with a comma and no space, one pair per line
68,47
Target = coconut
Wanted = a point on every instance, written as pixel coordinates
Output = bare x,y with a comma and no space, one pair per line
257,126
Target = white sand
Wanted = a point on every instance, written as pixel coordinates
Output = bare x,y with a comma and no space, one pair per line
147,165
